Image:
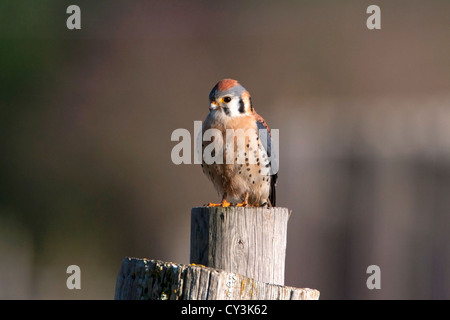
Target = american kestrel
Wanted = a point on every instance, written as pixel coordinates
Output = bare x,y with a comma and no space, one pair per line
246,180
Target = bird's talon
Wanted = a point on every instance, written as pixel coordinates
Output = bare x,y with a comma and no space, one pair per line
211,204
242,204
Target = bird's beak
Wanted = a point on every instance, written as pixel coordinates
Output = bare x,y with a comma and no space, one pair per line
213,106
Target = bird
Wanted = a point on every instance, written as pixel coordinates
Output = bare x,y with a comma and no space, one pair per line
243,171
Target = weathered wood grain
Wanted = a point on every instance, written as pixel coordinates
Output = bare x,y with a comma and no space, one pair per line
141,279
245,240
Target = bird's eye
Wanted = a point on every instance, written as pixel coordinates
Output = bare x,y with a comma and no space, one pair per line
226,99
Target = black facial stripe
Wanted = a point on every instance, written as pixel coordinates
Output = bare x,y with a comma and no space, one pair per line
251,104
241,106
226,110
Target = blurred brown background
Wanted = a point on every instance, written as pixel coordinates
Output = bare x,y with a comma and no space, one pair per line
86,117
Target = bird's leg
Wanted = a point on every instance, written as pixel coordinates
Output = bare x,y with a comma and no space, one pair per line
224,203
243,203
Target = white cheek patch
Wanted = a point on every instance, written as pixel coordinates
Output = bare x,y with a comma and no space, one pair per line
234,106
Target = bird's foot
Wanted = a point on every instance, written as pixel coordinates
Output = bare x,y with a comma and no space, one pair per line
211,204
224,204
245,202
242,204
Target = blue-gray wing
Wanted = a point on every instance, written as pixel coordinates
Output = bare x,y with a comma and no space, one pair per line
265,138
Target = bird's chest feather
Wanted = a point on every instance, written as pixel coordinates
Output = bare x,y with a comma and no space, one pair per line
237,151
230,140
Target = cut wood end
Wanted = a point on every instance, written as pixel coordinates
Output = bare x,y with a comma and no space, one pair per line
142,279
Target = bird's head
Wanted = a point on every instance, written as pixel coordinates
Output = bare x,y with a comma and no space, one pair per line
230,99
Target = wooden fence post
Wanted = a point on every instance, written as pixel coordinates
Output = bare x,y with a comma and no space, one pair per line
236,253
249,241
